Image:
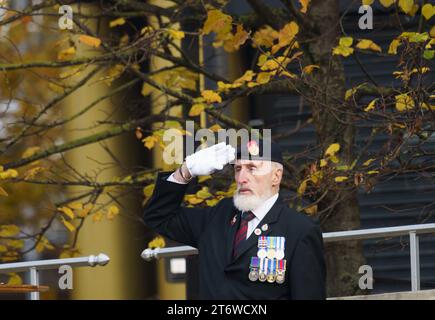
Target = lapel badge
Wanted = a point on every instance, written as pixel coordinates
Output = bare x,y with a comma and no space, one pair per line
253,148
264,227
257,231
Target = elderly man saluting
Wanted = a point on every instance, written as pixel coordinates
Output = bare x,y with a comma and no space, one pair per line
251,246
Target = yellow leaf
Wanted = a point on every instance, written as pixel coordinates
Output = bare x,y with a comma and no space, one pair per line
112,212
368,162
84,213
67,211
311,210
217,22
234,42
75,205
302,187
210,96
90,41
263,77
196,109
270,65
10,173
406,5
212,202
367,2
432,32
247,76
404,102
304,5
428,11
17,244
343,47
308,69
373,172
203,193
66,53
97,216
68,225
31,173
117,22
192,199
146,89
286,36
215,128
332,149
148,190
371,105
387,3
176,34
201,179
3,192
323,163
14,280
157,242
30,152
392,49
368,44
340,179
265,37
3,248
150,141
9,230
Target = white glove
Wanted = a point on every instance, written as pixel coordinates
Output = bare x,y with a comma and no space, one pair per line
208,160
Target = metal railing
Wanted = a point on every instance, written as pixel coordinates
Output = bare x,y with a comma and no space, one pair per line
33,267
363,234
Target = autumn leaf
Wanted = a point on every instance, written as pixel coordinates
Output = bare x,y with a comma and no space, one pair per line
340,179
117,22
10,173
66,53
9,230
157,242
217,22
265,37
428,11
203,193
150,141
215,128
387,3
212,202
148,190
286,36
210,96
332,149
304,5
368,162
343,47
302,187
406,5
196,109
97,216
201,179
404,102
392,49
367,2
90,41
31,173
30,152
14,280
323,163
371,105
308,69
263,77
67,211
112,212
75,205
311,210
176,34
368,45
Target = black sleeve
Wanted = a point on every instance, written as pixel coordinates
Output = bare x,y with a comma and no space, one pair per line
164,214
308,271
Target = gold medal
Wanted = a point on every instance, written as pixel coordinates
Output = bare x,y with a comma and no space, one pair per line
271,278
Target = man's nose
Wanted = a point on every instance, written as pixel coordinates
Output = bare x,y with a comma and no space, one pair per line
242,176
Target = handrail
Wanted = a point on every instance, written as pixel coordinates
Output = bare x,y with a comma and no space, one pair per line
34,266
362,234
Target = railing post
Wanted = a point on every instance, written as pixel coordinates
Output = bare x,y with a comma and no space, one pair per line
34,280
415,261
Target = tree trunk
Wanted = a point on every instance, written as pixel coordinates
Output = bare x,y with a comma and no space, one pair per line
328,83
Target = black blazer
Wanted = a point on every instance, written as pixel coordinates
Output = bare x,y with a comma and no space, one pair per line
210,230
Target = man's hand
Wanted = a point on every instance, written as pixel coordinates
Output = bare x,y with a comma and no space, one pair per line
208,160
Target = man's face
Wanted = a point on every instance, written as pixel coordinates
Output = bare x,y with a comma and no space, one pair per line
255,178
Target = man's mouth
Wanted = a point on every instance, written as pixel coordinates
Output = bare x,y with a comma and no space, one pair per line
245,191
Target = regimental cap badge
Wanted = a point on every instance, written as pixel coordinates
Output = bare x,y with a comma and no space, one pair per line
253,148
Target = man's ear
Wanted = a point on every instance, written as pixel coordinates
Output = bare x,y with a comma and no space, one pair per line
276,177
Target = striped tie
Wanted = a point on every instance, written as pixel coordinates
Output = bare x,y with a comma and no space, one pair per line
241,232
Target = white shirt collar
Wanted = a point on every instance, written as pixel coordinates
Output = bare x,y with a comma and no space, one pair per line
262,210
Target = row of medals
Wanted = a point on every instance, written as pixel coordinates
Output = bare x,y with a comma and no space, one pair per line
269,264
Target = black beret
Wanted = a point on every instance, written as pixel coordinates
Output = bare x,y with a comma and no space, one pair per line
259,150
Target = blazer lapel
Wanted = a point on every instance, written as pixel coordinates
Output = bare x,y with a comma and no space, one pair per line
271,217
